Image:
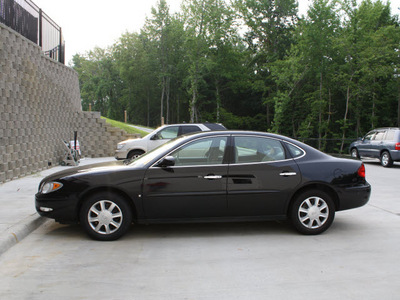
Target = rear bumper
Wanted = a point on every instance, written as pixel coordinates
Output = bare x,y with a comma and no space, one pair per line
395,155
353,197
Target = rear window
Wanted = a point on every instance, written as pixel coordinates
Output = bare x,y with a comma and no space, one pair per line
213,126
390,135
188,129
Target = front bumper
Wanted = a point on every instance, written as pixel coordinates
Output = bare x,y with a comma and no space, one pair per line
61,208
121,154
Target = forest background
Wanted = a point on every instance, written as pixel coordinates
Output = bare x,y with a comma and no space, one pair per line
332,74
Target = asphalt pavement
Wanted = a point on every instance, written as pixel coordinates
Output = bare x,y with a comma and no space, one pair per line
18,216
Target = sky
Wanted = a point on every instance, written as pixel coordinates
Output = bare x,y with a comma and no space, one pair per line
87,24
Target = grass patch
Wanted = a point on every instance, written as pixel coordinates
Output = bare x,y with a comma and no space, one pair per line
125,126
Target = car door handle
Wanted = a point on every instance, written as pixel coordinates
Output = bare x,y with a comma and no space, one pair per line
286,174
211,177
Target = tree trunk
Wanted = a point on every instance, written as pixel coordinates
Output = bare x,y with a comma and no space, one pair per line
162,100
218,98
346,112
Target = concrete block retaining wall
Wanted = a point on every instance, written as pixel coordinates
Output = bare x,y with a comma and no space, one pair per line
40,106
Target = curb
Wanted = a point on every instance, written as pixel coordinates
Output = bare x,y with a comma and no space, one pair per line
19,231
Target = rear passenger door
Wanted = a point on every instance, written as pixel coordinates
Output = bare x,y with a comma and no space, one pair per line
377,143
261,177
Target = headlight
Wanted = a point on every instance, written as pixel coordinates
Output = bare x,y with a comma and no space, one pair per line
120,146
49,187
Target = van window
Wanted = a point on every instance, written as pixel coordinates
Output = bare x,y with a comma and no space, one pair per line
369,135
379,135
390,135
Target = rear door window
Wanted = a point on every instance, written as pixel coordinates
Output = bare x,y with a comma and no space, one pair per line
257,149
379,135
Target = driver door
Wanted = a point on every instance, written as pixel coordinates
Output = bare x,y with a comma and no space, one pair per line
195,187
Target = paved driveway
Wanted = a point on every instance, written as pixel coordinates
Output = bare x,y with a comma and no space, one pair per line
357,258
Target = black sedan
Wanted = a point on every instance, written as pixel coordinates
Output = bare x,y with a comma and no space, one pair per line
208,177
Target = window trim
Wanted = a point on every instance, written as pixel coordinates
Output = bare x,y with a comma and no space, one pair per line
288,155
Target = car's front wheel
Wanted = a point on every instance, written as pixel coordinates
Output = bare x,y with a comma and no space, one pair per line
312,212
134,154
105,216
386,159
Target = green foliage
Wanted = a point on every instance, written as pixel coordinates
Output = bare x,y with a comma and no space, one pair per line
127,127
254,64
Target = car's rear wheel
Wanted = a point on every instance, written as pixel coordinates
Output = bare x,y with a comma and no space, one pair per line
354,153
386,159
312,212
105,216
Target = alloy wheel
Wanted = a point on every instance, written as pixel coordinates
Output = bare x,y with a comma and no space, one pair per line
313,212
105,217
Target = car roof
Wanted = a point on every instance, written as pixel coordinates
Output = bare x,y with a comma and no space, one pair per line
386,128
190,124
247,132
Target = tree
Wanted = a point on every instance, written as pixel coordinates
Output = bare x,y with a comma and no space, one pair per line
270,26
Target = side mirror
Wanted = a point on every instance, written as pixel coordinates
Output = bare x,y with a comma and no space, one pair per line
154,137
166,162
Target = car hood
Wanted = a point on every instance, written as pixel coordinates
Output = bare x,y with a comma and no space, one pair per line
131,140
99,168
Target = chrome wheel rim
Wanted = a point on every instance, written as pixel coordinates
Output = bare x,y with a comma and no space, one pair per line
313,212
385,159
105,217
354,153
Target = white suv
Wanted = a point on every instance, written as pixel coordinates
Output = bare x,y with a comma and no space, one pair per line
132,148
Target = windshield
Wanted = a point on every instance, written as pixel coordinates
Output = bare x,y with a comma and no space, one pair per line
155,153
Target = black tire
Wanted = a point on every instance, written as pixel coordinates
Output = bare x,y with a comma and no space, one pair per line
134,154
354,153
106,216
312,212
386,159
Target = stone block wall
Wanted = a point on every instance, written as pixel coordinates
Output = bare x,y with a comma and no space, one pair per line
40,106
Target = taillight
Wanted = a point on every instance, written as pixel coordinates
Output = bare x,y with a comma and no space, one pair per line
397,146
361,171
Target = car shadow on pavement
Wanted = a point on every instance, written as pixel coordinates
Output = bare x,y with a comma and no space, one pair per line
191,230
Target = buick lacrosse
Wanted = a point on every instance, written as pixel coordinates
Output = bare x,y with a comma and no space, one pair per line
208,177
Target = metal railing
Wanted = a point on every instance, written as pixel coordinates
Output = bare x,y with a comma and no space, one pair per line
29,20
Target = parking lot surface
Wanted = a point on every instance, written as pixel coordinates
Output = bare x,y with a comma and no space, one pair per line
357,258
